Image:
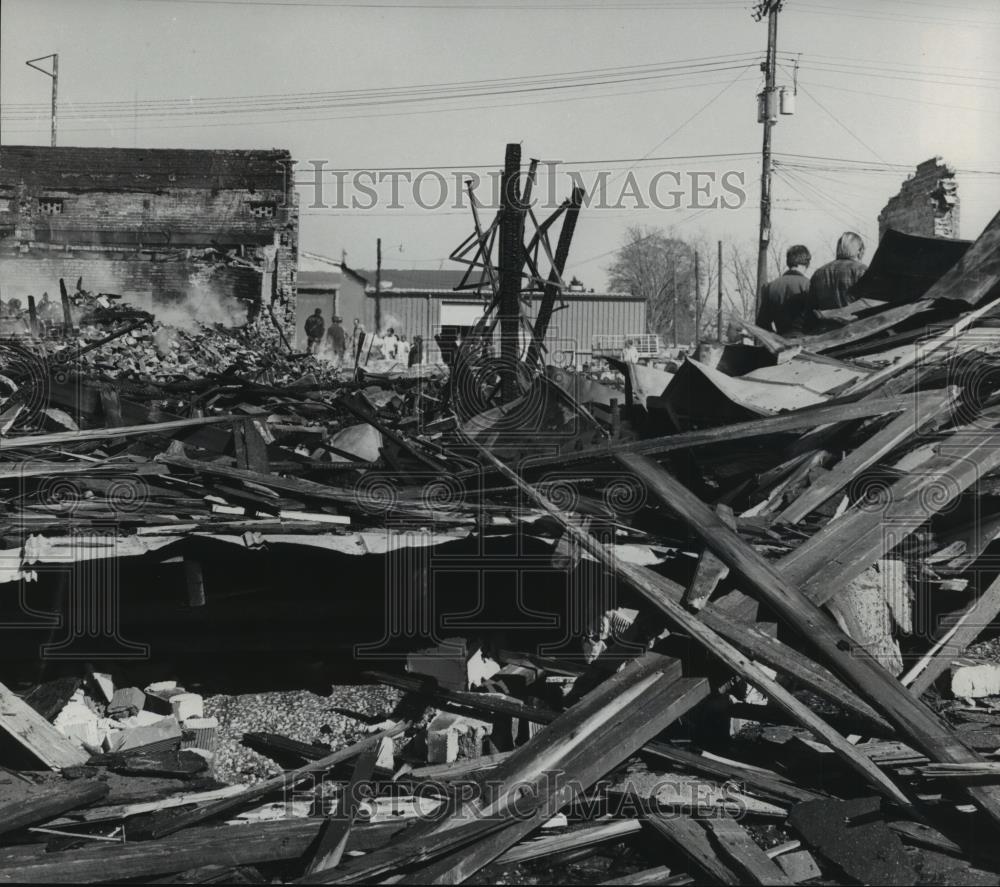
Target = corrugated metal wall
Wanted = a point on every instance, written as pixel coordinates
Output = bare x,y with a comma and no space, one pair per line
572,328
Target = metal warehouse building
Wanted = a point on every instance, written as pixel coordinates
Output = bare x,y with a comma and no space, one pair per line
425,302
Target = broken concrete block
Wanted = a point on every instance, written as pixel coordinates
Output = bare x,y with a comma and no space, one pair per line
187,705
386,754
976,681
158,696
127,701
104,684
799,866
480,668
450,736
163,730
447,663
200,734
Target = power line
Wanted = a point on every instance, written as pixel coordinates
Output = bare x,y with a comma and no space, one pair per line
899,98
405,95
660,5
678,67
391,112
869,14
843,126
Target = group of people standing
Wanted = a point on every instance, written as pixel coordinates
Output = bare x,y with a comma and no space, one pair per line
788,304
364,346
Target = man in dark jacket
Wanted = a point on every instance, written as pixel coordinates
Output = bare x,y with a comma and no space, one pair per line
784,302
337,338
830,283
314,330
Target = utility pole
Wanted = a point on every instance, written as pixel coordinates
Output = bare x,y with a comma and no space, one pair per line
718,308
770,8
674,269
54,74
697,303
378,286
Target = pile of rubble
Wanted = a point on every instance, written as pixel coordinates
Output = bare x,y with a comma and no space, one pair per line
796,538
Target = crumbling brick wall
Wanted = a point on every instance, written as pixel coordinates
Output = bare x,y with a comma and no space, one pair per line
926,205
136,221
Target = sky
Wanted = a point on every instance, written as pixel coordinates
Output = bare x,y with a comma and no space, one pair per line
633,89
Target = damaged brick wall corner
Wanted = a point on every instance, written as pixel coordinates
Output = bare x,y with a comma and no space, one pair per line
927,204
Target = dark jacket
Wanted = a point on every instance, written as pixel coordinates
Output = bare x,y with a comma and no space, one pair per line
337,337
315,326
784,302
830,283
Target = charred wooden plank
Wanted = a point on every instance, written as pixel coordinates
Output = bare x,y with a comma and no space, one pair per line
29,729
929,407
50,801
970,625
848,659
654,588
710,570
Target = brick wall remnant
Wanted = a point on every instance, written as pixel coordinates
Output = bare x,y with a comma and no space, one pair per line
927,204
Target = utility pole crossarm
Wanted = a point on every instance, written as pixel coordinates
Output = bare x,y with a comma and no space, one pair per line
54,74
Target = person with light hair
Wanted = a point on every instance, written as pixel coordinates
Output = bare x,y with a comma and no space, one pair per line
830,285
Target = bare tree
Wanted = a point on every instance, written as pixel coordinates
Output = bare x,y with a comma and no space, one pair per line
658,267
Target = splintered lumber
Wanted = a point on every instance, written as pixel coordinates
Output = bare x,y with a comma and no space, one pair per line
68,438
36,468
795,420
52,800
969,626
25,725
769,786
122,811
687,835
482,703
924,349
169,822
556,768
276,746
929,407
770,651
824,564
651,586
863,328
335,832
743,854
530,785
573,840
710,570
659,874
235,845
409,852
250,448
847,658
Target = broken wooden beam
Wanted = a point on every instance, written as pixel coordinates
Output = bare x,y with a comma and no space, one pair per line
844,656
979,615
652,586
68,438
929,407
54,799
710,570
35,734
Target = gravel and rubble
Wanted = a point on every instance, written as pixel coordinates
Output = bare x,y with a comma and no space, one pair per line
324,721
